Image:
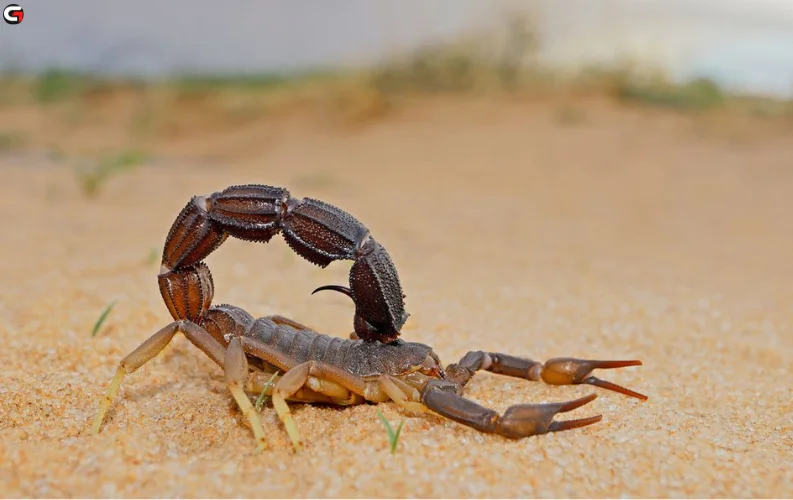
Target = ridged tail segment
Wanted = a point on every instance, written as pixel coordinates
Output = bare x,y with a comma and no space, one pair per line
251,212
192,236
317,231
187,292
322,233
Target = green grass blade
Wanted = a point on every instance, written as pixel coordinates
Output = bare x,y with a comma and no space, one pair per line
393,437
102,318
386,424
396,436
260,399
151,259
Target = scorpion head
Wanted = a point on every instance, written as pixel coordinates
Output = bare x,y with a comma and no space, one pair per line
432,366
376,293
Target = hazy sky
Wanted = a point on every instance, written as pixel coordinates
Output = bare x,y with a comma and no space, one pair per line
746,43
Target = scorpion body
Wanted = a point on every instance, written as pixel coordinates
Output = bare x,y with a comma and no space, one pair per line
373,365
357,357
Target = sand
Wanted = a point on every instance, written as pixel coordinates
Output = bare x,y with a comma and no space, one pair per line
627,234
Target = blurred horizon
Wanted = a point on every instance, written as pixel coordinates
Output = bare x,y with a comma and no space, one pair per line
742,45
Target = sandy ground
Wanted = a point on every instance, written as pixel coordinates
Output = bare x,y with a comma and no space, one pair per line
628,234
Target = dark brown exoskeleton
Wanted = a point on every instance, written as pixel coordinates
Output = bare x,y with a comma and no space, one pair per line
372,365
317,231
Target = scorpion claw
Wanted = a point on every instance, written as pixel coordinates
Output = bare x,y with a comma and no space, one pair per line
564,371
613,387
532,419
574,404
518,421
566,425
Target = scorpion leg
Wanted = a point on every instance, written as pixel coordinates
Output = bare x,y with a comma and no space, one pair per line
148,350
318,377
518,421
557,371
327,379
401,393
236,371
264,383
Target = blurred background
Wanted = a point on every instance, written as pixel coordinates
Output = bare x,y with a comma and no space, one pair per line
744,45
352,60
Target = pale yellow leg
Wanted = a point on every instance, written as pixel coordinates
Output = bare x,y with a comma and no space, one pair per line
258,384
331,389
401,393
107,399
289,384
236,371
134,360
324,379
147,351
411,392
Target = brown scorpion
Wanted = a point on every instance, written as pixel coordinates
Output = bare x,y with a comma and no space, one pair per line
373,365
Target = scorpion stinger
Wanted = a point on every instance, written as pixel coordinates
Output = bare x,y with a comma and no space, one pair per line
336,288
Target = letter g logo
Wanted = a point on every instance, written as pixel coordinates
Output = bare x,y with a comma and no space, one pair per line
13,14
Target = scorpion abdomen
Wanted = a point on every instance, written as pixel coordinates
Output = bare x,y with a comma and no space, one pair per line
357,357
300,345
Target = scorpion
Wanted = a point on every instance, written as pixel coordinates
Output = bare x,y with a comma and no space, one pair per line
288,361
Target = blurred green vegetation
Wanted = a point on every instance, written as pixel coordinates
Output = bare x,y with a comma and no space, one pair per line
507,62
91,179
459,67
253,82
57,85
12,140
163,110
700,94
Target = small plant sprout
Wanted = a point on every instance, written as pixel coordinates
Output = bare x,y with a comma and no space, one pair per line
151,259
263,395
393,436
102,318
92,179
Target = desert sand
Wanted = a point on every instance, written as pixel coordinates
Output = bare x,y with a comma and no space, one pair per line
622,234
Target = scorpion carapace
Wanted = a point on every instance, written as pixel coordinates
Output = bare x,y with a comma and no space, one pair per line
315,230
292,362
